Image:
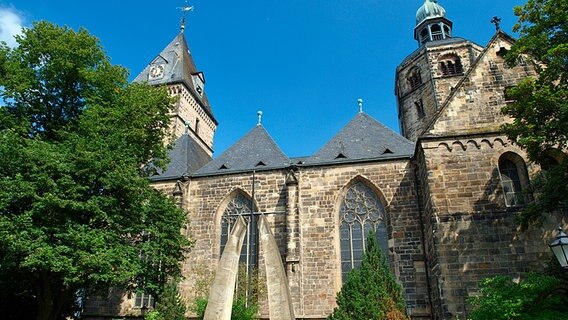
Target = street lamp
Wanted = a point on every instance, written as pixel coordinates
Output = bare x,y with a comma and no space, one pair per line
559,247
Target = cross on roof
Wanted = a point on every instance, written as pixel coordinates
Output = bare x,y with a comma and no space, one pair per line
496,21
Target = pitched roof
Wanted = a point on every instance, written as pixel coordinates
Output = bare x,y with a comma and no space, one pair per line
255,151
185,158
179,67
363,138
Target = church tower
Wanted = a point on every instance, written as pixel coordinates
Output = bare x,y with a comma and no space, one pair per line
426,77
174,67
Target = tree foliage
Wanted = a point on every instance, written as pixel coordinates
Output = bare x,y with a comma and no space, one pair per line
76,212
370,292
169,305
540,110
535,297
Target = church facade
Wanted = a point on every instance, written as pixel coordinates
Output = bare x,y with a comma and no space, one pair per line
441,197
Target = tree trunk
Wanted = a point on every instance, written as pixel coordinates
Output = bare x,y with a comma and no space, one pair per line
44,297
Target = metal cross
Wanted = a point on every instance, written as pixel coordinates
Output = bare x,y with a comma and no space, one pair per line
184,9
496,21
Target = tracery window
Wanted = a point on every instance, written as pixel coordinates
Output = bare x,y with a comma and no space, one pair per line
360,212
240,205
514,178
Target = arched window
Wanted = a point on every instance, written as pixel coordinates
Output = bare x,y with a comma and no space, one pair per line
552,158
450,65
436,31
514,178
360,212
414,78
240,205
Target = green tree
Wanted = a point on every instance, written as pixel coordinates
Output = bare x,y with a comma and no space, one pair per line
169,304
76,211
537,296
540,110
371,291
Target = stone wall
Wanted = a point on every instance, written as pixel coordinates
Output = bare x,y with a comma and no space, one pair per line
470,232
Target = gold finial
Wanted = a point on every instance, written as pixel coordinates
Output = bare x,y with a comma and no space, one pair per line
184,9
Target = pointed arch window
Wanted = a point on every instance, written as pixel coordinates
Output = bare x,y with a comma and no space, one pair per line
514,178
240,205
360,211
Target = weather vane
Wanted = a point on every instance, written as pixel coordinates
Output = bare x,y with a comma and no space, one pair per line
184,9
496,21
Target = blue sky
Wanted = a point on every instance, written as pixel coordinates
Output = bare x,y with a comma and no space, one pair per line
303,63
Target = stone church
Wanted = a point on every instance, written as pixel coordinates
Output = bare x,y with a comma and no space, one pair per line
441,195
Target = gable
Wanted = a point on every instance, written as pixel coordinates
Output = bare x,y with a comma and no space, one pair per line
474,105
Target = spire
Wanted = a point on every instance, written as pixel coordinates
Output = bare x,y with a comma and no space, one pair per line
431,23
184,9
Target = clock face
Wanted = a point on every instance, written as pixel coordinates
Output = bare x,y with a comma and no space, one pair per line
156,72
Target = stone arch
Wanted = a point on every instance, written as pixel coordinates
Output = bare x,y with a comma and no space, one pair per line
500,141
473,144
486,142
414,77
514,178
360,207
458,146
450,64
445,145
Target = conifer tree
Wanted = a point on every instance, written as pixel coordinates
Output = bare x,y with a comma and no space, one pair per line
170,305
371,291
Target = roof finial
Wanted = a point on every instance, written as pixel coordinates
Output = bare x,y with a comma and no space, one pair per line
187,125
184,9
259,113
496,21
360,102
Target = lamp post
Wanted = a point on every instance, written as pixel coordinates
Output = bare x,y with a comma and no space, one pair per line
559,247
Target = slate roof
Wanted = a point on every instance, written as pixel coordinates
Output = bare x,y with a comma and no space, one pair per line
255,151
363,138
185,158
179,67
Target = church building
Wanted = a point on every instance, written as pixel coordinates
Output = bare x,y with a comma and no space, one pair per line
441,195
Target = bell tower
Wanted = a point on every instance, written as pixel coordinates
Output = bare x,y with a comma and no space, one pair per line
175,68
431,23
427,76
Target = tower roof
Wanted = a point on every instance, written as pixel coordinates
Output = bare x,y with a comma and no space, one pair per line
430,9
175,65
255,151
363,138
185,158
